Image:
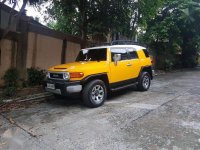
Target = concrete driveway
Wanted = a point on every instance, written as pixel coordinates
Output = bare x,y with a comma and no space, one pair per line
165,117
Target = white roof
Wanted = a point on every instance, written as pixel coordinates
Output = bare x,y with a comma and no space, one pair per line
136,47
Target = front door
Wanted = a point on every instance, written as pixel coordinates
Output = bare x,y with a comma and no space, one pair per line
122,70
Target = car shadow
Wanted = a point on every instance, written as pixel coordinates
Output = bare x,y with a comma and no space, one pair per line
77,101
65,101
113,95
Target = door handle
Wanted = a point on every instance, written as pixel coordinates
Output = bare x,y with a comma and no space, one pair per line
129,64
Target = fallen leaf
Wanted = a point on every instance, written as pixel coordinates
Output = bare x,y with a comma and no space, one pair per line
31,128
11,120
4,143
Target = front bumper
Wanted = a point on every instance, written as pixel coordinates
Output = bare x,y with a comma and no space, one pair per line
65,88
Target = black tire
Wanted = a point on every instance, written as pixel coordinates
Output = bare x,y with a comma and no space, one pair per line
57,96
144,81
94,93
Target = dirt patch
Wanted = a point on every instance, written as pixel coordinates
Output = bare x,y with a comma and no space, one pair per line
15,100
29,91
6,107
23,92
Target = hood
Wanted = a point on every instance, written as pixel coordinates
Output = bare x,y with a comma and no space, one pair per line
76,66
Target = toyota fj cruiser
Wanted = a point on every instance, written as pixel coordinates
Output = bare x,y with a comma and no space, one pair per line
99,70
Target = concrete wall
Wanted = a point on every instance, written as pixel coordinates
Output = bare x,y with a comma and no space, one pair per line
34,45
43,51
72,51
7,56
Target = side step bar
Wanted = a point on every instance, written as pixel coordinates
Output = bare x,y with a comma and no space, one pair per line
123,87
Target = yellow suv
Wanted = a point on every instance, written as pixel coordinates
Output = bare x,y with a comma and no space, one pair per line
99,70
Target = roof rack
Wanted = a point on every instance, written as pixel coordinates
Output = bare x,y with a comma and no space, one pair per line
126,42
98,44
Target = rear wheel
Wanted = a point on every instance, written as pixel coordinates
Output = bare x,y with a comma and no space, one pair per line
94,93
144,81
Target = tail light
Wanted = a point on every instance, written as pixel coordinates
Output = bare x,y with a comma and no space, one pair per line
152,61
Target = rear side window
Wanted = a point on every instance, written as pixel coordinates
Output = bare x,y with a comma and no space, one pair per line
133,55
146,52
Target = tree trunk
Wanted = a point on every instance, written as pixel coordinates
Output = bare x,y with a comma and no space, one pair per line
21,11
83,33
5,32
84,19
10,23
3,1
84,28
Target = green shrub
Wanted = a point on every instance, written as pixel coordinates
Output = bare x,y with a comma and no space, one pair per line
35,76
9,91
11,79
190,62
24,83
168,64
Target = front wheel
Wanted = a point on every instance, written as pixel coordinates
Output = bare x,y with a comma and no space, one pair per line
144,81
58,96
94,93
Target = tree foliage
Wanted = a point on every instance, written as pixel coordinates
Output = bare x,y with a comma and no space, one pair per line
175,31
85,17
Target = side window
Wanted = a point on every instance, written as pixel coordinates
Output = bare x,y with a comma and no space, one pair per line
92,55
146,52
122,51
133,55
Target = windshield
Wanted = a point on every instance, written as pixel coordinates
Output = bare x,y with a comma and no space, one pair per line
92,55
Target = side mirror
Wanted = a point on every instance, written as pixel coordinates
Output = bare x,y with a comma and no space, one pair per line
116,58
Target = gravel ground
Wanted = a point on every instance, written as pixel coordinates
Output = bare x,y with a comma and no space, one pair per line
165,117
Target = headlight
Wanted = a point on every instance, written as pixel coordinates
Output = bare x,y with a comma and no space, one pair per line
66,76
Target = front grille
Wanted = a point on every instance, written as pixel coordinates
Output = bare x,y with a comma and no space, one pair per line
56,75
